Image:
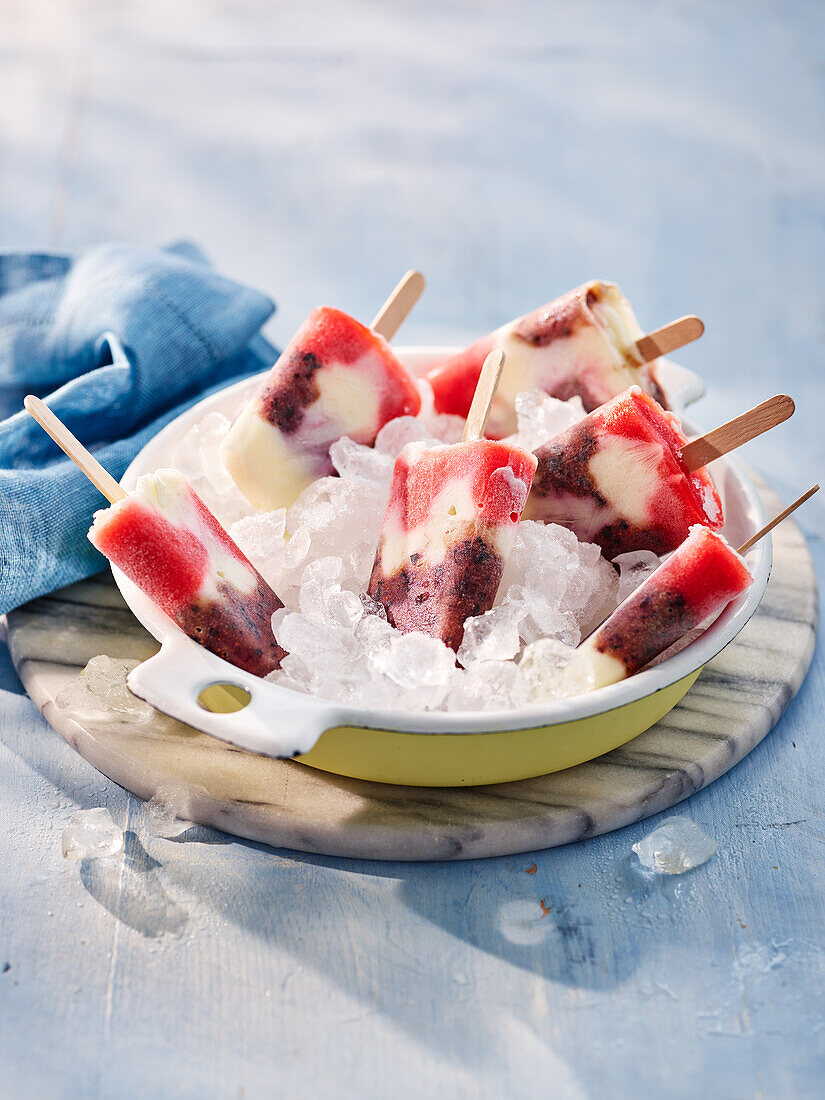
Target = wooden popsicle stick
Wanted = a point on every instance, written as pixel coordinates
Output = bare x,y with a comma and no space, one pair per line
669,337
483,397
729,436
74,449
743,549
393,313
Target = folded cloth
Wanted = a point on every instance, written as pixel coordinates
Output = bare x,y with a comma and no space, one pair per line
118,340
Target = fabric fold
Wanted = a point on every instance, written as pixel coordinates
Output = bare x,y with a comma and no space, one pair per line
118,340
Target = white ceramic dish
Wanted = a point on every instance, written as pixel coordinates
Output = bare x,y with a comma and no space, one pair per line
281,722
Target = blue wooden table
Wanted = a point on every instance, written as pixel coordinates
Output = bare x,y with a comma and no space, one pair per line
510,152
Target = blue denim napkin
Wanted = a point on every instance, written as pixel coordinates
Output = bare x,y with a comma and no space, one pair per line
118,340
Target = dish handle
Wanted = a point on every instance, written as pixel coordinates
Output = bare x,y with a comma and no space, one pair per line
187,682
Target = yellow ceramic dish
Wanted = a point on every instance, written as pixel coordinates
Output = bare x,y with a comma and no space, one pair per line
472,759
422,749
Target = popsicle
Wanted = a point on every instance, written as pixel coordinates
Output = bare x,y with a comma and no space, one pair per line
449,527
164,538
586,343
696,582
626,477
336,377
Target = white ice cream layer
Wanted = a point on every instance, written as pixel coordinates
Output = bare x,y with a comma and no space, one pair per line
452,516
586,353
264,462
626,473
272,468
607,668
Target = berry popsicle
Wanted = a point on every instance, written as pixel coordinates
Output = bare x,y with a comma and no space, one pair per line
586,343
626,477
336,377
617,478
163,537
696,582
448,530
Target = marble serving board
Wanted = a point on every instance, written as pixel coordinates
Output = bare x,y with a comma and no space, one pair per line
735,702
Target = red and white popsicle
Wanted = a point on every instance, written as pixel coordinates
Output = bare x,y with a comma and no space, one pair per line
165,539
626,477
587,343
450,525
689,589
336,377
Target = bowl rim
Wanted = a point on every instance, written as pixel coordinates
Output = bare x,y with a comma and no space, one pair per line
600,701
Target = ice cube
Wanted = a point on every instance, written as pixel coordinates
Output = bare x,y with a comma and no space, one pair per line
543,664
562,584
197,456
395,435
354,460
493,636
488,685
261,538
541,417
634,568
100,692
323,646
319,581
675,846
213,430
415,660
556,671
91,834
297,548
344,608
374,633
167,811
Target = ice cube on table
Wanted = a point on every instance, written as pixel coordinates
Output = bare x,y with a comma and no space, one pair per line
675,846
91,834
100,692
167,811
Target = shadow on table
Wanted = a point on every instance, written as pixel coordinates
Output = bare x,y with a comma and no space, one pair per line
460,943
130,886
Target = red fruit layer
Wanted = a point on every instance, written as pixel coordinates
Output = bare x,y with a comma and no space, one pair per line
170,564
454,379
436,599
419,477
698,580
330,336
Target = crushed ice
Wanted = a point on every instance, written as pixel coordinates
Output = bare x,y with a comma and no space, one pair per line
100,692
318,555
675,846
167,811
91,834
